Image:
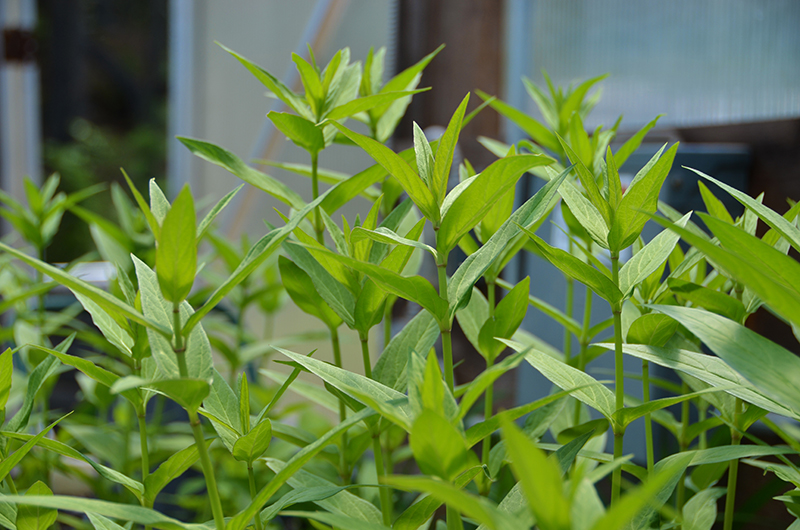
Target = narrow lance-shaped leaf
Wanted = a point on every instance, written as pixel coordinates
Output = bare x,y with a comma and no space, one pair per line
575,268
480,196
460,285
176,251
398,168
445,151
229,161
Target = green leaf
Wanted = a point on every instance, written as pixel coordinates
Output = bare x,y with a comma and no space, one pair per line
186,392
173,467
257,254
110,303
340,502
302,132
224,406
649,259
143,206
6,370
14,458
633,143
274,85
240,521
577,269
438,447
115,332
337,520
324,175
103,523
653,329
538,132
700,512
96,373
212,214
384,235
197,347
783,299
480,196
369,102
313,494
176,252
424,507
63,449
640,198
626,415
576,98
460,285
714,301
587,215
775,221
301,290
415,288
36,517
587,180
253,444
419,335
636,508
768,366
714,206
540,478
36,380
159,204
227,160
399,169
424,154
125,512
508,315
473,506
445,151
381,398
472,317
590,391
334,293
707,368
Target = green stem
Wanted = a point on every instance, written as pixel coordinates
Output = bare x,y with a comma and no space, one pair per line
454,519
179,346
387,321
488,410
733,469
568,311
365,355
385,494
683,445
701,417
253,492
447,343
337,360
619,382
584,343
490,288
318,228
208,471
648,423
143,444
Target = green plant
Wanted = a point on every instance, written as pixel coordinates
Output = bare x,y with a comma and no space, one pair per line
262,458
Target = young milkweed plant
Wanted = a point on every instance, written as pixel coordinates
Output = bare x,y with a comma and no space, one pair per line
183,424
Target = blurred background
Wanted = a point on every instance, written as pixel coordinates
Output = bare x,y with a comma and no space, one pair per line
89,86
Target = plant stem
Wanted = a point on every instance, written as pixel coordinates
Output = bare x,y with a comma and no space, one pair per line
318,228
701,417
619,381
385,494
683,445
179,347
387,321
337,360
454,519
733,469
252,479
584,342
488,410
365,355
568,310
143,444
208,471
648,423
447,343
